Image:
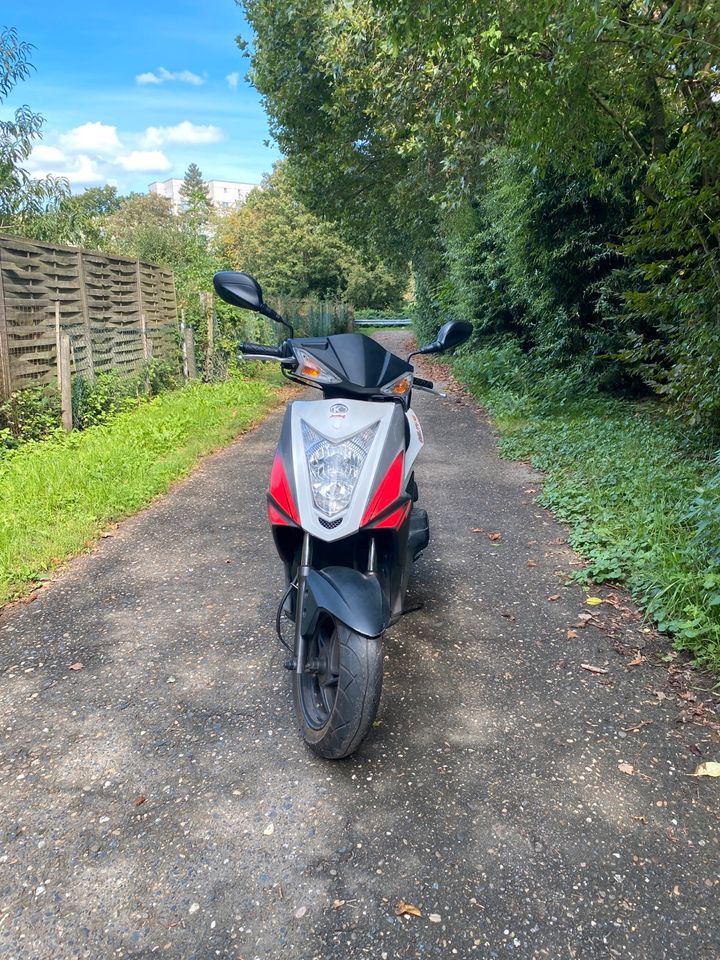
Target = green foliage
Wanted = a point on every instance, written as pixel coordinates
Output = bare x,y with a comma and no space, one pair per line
194,192
22,196
76,219
57,496
33,414
551,168
297,254
29,414
642,503
95,401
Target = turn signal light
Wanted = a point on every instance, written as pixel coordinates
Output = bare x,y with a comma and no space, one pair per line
399,387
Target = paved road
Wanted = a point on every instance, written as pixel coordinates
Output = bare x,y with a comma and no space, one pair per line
157,802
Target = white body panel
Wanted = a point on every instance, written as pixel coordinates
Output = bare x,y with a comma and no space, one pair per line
336,421
416,442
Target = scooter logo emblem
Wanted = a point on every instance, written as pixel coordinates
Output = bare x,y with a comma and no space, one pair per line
338,411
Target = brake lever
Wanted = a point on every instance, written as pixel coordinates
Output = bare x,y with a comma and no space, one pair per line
438,393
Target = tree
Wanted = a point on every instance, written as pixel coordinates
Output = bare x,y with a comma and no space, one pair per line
389,113
21,195
194,192
78,219
295,253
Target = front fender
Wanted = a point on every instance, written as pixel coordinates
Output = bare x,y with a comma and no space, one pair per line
355,599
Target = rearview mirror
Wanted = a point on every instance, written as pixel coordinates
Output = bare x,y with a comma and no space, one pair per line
239,289
242,290
450,334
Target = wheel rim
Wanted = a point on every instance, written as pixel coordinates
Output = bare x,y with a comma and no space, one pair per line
318,690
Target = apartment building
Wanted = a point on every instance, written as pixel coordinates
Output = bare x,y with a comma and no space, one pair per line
223,194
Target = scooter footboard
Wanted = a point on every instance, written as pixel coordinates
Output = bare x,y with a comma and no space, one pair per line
354,598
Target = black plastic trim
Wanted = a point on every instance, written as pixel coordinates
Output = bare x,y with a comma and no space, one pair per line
354,598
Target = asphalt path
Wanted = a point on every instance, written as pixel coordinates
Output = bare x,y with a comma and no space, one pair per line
156,801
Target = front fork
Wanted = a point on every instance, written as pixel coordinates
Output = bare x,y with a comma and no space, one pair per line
297,664
300,652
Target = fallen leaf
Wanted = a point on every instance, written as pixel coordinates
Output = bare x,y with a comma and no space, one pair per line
434,918
532,563
269,829
139,801
401,907
300,913
338,903
555,596
676,890
76,666
107,533
627,768
572,634
477,530
637,661
493,536
593,601
660,695
591,669
708,769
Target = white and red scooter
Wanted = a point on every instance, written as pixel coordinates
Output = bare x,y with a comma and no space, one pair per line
342,506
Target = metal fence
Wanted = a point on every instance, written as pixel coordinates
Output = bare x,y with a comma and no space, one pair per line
117,312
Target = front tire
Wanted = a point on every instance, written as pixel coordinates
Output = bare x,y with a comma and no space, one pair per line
336,704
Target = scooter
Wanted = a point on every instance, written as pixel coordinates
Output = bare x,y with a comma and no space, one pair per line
342,508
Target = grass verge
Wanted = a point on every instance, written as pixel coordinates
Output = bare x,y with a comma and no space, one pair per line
56,496
639,493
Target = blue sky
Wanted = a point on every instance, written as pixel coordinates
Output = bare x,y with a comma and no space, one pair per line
133,92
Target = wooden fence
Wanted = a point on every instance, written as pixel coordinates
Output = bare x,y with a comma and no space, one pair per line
117,312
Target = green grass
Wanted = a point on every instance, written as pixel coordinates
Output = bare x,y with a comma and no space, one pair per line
639,493
56,496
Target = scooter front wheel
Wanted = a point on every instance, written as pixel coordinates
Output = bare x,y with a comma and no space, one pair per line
336,699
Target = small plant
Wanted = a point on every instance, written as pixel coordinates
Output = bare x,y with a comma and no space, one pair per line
30,414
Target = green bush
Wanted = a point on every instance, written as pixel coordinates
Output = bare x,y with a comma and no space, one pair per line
29,414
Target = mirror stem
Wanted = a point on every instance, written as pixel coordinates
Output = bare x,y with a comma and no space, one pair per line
271,314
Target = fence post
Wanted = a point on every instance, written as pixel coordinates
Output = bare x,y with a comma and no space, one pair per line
189,353
85,315
5,377
183,346
64,380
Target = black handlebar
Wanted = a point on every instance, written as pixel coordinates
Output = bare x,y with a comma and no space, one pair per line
264,349
419,382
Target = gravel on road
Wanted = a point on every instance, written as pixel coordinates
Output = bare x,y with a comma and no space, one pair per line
526,785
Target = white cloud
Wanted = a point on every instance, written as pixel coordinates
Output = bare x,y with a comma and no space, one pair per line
184,132
92,137
232,80
144,161
80,170
183,76
143,78
42,156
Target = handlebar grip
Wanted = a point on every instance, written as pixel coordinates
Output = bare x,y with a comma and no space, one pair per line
265,349
423,383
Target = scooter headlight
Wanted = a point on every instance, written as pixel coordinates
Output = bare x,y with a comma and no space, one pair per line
335,467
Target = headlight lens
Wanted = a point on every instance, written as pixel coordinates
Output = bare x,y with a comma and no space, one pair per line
335,467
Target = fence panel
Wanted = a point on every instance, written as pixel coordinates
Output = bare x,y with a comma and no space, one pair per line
102,301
